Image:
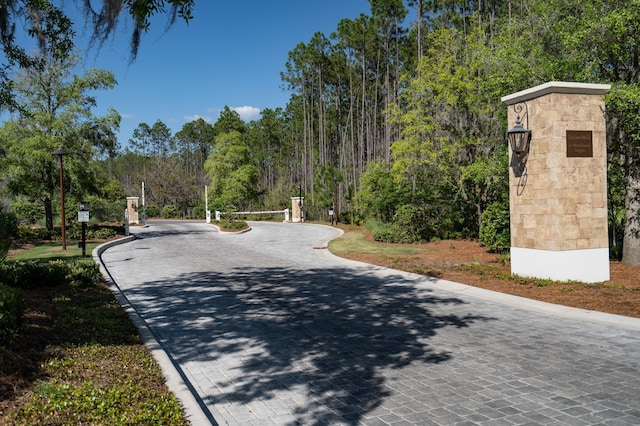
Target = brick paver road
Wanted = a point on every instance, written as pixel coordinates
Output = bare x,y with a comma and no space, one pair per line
268,329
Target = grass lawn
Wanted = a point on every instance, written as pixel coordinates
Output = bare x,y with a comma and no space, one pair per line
53,251
357,242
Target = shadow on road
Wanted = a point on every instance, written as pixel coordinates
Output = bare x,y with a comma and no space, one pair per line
329,332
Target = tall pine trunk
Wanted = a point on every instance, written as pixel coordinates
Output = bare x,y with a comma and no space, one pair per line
631,242
48,214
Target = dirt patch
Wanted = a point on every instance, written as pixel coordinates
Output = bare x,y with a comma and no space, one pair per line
470,263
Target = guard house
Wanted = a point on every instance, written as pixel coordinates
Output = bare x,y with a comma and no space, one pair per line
558,182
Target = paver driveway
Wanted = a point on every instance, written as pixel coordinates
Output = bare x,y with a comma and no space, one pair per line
267,329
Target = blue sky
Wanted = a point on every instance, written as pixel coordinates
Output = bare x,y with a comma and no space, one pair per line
230,54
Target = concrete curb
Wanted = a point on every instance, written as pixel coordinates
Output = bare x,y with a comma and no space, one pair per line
194,410
221,232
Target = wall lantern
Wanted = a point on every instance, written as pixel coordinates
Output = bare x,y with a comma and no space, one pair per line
519,137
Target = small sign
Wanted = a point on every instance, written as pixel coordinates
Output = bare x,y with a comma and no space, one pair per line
579,143
83,216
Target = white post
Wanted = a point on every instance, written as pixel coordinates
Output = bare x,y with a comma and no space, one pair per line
206,203
144,212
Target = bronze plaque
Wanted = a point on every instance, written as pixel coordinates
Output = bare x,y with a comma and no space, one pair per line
579,143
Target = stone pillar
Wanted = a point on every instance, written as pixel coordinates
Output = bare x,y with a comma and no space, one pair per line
558,194
132,210
297,213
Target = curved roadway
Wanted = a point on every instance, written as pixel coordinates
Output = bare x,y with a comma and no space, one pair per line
267,327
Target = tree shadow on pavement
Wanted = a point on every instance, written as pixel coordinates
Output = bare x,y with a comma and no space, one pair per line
326,334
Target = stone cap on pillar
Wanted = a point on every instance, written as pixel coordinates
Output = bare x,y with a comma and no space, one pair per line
556,87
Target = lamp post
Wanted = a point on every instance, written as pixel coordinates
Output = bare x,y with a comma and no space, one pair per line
61,152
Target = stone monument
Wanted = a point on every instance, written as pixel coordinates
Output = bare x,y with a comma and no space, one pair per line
132,210
558,182
297,209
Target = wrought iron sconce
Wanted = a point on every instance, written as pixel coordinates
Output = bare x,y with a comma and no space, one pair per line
520,137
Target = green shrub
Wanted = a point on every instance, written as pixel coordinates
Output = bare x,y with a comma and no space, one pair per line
11,312
103,233
495,228
231,225
169,212
35,274
152,211
27,233
92,232
390,235
8,230
83,274
414,223
387,233
199,212
27,211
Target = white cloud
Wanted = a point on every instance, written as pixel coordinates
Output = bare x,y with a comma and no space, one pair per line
247,113
195,117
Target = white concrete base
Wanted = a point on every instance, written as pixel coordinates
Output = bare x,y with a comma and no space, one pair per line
589,265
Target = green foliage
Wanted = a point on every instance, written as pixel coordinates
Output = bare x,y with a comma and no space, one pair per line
91,232
36,274
93,403
8,230
170,212
83,274
152,211
233,172
495,230
43,125
228,121
356,242
11,313
617,213
104,233
33,273
199,212
412,221
101,210
99,231
391,234
100,373
26,234
623,108
379,193
231,225
27,211
387,232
